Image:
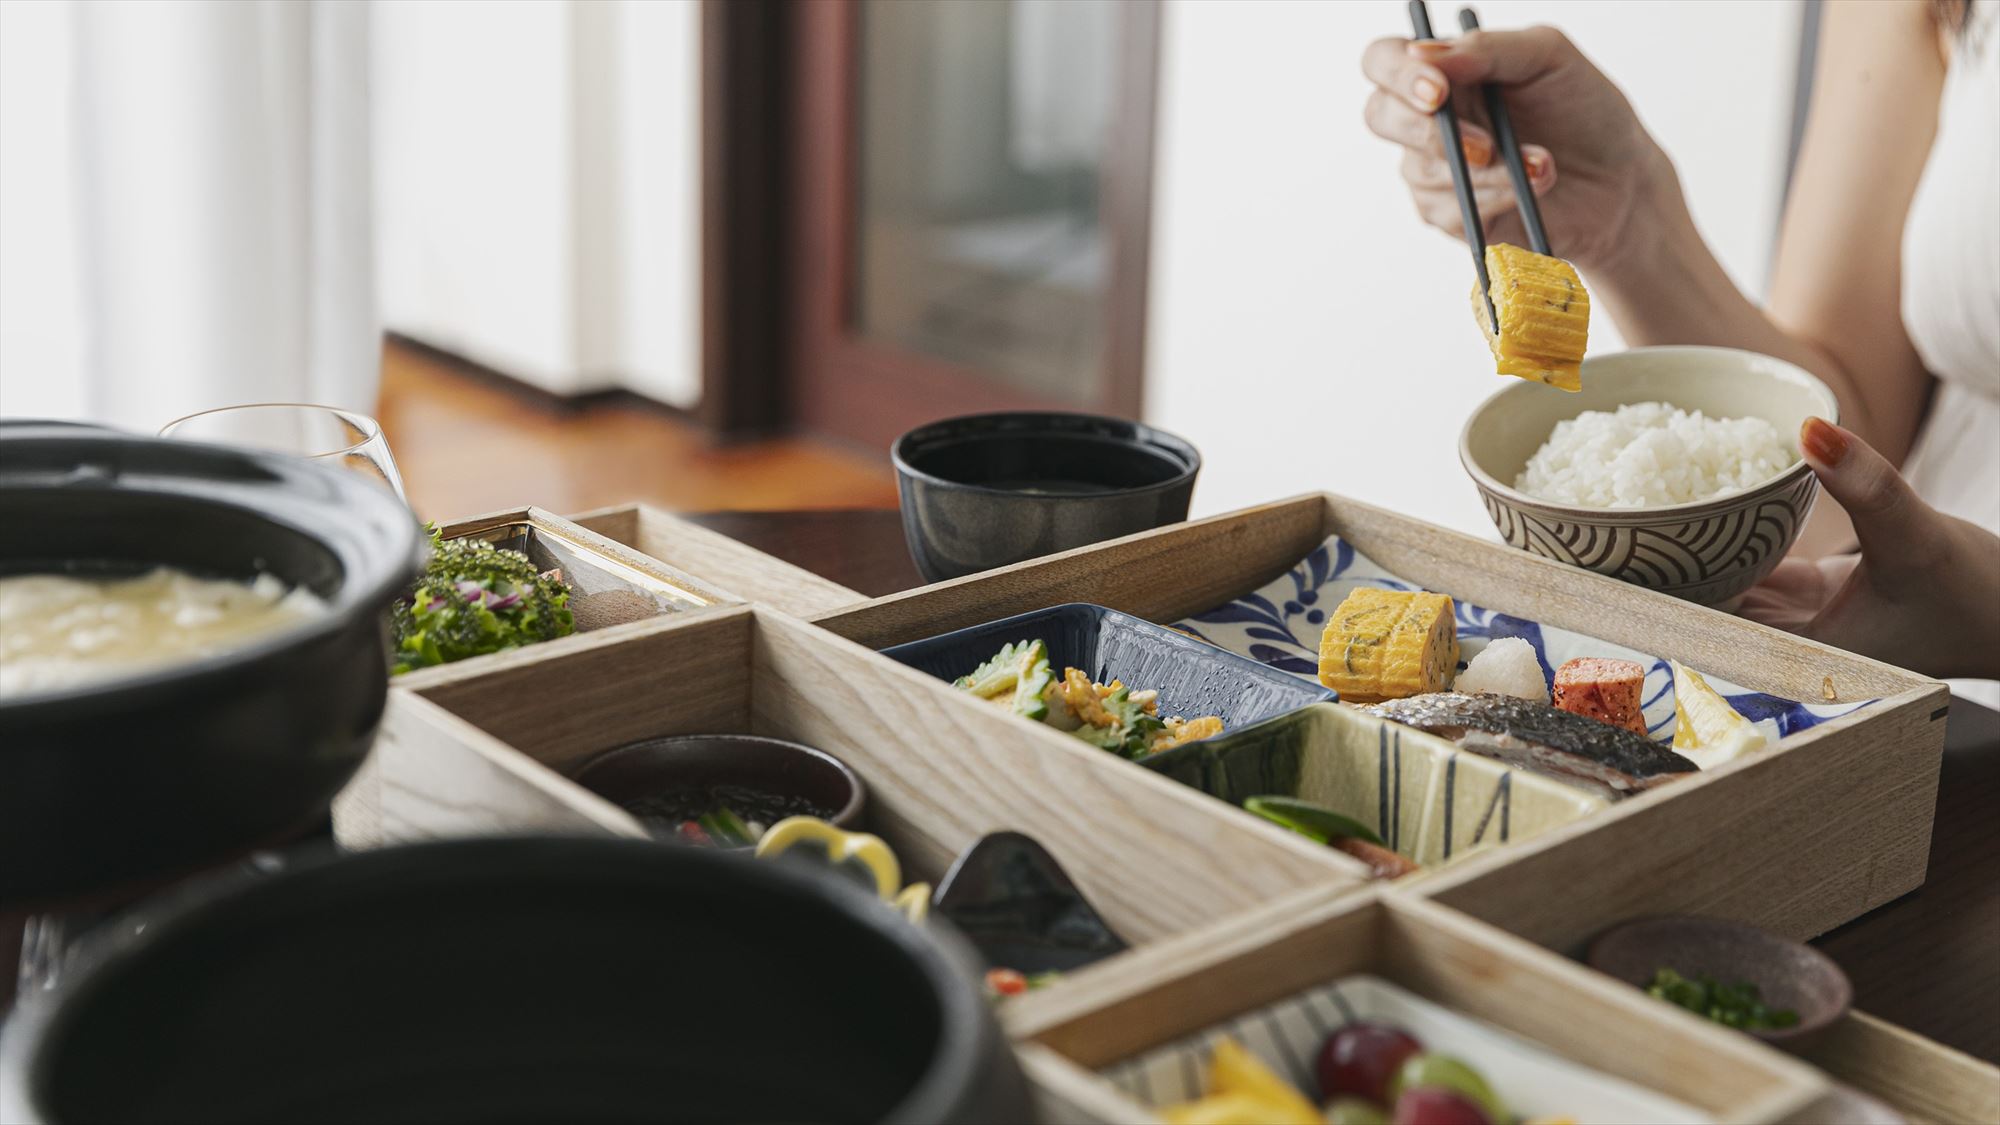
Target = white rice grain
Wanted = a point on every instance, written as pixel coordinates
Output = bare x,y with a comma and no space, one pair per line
1647,454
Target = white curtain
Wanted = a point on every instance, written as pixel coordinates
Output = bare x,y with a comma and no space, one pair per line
216,247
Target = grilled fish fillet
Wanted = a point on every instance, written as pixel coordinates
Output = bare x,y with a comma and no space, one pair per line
1584,752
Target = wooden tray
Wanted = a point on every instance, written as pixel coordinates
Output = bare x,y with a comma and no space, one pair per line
744,571
483,750
1229,912
1180,989
1829,824
593,565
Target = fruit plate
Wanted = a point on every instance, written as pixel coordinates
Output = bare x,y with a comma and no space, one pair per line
1548,1035
1529,1080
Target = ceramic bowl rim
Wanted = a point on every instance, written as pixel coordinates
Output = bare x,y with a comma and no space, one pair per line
848,815
395,564
1727,926
1655,513
1144,436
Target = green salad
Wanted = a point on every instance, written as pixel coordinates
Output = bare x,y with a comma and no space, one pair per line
475,598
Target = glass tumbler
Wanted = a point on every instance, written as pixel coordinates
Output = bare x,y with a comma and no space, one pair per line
353,441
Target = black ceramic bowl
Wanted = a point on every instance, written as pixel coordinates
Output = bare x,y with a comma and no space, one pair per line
525,979
107,787
657,777
991,489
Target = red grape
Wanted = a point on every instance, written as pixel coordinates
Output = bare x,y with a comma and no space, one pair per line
1361,1058
1436,1106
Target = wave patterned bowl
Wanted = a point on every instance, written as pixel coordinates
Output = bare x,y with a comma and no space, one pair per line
1707,551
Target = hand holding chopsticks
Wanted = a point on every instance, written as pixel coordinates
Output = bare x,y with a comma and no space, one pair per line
1461,176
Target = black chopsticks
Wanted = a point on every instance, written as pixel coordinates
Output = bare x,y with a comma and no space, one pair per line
1461,176
1510,151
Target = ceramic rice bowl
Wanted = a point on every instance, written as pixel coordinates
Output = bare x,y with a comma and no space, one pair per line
1707,551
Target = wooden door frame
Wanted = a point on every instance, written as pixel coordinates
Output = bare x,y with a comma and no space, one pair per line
778,120
745,182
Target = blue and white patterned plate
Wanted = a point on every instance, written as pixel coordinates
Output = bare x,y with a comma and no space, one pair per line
1280,625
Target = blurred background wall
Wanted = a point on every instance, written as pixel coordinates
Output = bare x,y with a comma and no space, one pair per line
859,214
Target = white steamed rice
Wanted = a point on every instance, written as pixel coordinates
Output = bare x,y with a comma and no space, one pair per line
1649,453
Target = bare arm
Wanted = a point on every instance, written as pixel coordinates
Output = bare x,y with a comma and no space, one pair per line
1835,298
1614,204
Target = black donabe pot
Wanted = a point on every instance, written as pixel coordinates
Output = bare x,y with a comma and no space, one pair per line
519,979
986,490
106,788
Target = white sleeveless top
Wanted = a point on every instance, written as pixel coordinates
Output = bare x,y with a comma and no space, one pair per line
1951,293
1951,283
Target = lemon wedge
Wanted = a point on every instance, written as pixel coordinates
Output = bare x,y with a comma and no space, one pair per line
1707,730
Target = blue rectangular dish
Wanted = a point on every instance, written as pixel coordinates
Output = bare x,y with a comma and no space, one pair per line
1193,677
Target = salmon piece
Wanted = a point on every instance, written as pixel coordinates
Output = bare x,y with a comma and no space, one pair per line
1601,688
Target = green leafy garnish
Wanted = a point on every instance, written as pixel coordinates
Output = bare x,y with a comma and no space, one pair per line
727,829
475,598
1308,819
1731,1005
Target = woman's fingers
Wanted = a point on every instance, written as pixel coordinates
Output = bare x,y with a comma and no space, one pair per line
1508,57
1390,118
1392,67
1894,524
1430,172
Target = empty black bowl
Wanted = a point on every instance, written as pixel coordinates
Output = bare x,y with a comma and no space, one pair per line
519,980
991,489
662,781
108,787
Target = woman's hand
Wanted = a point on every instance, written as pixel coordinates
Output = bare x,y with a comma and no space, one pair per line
1591,162
1924,591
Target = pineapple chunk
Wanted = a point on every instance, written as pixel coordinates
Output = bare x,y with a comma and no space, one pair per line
1388,644
1544,316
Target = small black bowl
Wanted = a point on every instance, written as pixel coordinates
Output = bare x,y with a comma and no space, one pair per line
517,980
111,787
991,489
648,777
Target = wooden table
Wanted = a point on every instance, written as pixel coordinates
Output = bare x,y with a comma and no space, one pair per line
1929,961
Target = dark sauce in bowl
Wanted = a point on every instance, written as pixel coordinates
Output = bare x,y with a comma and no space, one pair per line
662,814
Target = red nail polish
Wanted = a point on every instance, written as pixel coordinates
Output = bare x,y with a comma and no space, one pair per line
1538,165
1478,150
1823,441
1431,48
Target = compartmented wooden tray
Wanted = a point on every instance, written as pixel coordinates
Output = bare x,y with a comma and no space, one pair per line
1118,1046
615,591
1829,823
484,750
745,572
1228,912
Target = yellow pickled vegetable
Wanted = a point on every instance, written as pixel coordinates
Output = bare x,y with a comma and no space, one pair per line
1707,730
1544,316
1389,644
1243,1091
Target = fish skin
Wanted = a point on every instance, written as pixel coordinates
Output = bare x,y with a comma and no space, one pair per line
1541,738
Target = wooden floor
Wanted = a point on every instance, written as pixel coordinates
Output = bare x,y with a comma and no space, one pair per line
466,445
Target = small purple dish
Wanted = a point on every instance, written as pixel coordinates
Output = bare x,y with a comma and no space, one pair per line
1788,974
